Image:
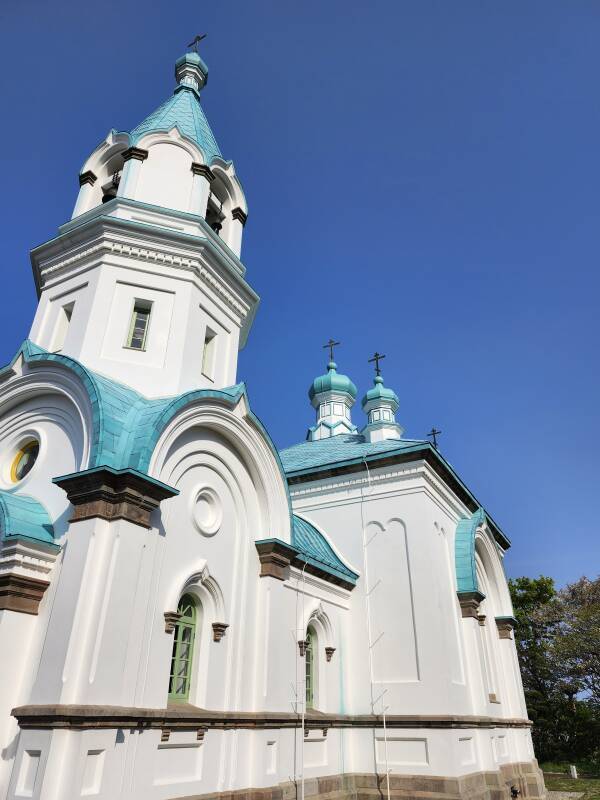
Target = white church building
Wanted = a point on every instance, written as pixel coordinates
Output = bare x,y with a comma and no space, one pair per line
185,611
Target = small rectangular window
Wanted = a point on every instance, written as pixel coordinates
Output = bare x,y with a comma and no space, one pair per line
208,354
62,326
138,328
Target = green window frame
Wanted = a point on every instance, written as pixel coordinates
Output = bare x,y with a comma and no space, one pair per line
183,650
138,326
309,664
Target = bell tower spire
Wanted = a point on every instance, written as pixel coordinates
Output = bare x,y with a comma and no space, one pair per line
145,284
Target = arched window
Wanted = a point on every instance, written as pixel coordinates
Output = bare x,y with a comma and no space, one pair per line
310,666
183,649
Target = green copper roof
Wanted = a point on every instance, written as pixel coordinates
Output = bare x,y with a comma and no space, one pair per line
23,516
339,449
313,548
381,392
184,112
332,382
464,552
125,425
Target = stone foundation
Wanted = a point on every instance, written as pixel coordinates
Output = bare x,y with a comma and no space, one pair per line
526,777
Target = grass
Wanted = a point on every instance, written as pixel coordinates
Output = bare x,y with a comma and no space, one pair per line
562,783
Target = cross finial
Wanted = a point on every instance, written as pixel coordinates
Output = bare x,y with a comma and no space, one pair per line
196,41
433,434
376,358
331,344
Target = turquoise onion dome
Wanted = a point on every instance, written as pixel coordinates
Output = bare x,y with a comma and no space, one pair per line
379,392
332,381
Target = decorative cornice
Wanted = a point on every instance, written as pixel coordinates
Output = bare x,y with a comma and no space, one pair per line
111,494
240,214
21,593
469,603
153,256
204,170
87,177
190,718
136,153
219,629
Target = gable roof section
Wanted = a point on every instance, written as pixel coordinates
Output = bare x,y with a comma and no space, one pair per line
344,454
314,549
125,425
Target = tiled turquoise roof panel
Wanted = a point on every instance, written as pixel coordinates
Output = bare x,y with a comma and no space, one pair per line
125,425
21,515
315,549
339,449
183,111
464,552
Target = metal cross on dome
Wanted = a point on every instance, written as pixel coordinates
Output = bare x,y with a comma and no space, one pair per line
196,41
331,344
433,434
376,358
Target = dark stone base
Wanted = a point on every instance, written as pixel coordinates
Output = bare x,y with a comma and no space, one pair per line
527,778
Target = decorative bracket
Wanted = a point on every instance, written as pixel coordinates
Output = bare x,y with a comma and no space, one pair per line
87,177
136,153
329,651
240,215
171,619
302,645
219,629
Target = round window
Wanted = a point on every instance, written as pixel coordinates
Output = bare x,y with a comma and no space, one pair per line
24,461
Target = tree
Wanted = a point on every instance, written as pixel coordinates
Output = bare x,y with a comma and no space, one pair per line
558,643
577,644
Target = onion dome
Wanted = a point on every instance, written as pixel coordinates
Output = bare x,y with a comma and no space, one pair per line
332,396
381,392
380,405
332,381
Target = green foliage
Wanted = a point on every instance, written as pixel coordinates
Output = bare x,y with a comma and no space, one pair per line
558,642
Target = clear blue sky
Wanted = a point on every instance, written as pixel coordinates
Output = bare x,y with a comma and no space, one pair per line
422,178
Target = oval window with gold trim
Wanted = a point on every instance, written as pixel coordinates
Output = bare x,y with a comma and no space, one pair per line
24,460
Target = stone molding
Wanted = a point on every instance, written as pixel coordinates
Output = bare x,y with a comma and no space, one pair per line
219,629
171,619
110,494
489,785
136,153
302,645
329,651
87,177
481,620
469,604
505,626
21,593
240,215
24,569
80,717
276,557
203,170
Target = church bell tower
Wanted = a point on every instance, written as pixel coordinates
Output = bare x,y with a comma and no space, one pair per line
145,285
